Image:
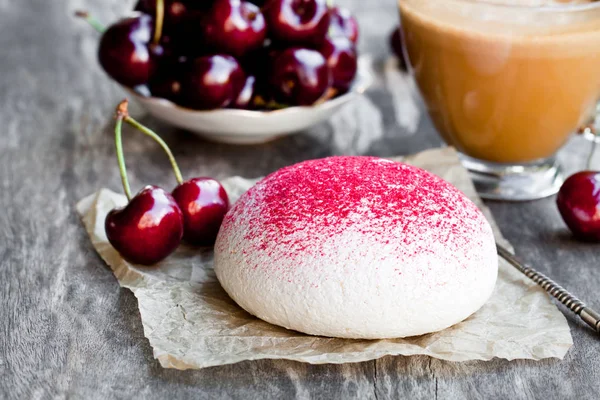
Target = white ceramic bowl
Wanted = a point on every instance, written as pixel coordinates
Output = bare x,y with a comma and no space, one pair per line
252,127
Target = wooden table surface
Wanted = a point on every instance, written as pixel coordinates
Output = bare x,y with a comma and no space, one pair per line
66,328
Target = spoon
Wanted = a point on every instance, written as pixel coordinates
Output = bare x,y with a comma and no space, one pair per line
589,316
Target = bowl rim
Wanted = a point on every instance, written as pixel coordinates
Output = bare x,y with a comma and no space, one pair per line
362,81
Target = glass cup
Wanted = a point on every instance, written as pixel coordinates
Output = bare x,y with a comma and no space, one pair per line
506,84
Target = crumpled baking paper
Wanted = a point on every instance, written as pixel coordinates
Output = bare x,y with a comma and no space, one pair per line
192,323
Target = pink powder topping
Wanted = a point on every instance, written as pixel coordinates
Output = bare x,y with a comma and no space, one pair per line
292,211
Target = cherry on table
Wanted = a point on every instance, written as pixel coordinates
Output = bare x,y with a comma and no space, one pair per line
234,27
148,229
342,59
298,22
343,23
212,82
578,201
299,76
124,50
204,203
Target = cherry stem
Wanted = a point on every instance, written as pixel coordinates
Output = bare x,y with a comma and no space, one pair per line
90,19
162,144
160,19
120,158
122,111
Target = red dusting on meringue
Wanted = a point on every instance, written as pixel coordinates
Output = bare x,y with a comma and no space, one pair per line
411,211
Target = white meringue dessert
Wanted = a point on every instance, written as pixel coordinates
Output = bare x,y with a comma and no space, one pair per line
356,247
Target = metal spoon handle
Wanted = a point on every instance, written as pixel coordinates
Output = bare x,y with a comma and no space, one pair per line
589,316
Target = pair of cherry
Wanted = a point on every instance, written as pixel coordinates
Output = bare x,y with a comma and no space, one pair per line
154,222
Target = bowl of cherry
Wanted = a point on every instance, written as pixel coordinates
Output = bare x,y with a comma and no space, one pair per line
236,71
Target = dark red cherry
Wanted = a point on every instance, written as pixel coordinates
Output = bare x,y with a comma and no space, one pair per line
397,46
234,27
166,87
578,201
299,76
258,62
342,23
204,203
166,83
342,60
245,99
175,11
182,24
199,5
171,46
148,229
257,65
297,22
213,82
124,50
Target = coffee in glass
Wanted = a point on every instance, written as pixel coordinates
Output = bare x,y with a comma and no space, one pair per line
506,83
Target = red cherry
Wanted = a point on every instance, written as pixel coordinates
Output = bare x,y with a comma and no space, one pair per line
182,24
578,201
257,66
299,76
166,83
166,87
175,11
258,62
234,27
148,229
245,99
204,203
342,60
124,51
213,82
299,22
342,23
397,46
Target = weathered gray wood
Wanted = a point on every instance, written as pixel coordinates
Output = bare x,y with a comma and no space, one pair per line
67,330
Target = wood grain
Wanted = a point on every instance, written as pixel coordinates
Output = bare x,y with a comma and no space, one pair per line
68,331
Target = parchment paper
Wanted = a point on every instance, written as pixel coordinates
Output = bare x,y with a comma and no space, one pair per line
192,323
